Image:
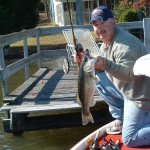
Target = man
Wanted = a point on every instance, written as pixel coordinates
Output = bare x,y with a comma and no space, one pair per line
128,96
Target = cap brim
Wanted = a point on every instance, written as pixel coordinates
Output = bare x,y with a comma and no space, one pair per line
99,18
92,21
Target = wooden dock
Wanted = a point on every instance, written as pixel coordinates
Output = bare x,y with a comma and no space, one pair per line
47,99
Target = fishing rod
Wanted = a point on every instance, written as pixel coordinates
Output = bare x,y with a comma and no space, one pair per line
78,46
74,39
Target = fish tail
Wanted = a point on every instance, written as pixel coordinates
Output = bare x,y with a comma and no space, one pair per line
87,119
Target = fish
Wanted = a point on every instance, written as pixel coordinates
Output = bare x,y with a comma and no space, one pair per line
86,87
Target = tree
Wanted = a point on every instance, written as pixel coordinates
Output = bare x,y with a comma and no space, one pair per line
141,3
122,7
16,15
46,3
41,7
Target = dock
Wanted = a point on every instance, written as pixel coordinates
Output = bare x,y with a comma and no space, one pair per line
47,99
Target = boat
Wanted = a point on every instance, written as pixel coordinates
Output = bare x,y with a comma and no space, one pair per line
107,142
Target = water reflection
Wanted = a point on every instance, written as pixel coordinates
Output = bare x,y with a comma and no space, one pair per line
55,139
18,78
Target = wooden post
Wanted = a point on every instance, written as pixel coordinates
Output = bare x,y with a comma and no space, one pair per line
146,27
2,65
25,48
38,47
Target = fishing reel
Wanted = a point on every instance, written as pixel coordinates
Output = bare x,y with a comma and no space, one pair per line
66,62
107,145
79,48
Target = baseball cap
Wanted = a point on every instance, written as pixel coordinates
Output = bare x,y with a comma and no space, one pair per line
101,13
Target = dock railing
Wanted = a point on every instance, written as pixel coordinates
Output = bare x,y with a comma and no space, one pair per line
7,71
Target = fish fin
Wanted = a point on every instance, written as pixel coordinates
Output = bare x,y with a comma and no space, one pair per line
87,119
93,102
78,100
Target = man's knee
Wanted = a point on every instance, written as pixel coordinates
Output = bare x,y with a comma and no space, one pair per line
127,141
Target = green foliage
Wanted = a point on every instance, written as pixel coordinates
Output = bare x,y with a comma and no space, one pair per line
41,7
129,16
16,15
125,13
122,7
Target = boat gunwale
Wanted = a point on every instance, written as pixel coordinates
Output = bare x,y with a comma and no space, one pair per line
81,145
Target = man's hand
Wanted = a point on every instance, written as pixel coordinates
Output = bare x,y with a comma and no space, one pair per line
99,63
78,57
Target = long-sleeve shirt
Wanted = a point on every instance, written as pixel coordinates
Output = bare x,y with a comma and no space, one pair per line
119,59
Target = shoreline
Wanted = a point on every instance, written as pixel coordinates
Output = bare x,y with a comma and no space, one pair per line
17,52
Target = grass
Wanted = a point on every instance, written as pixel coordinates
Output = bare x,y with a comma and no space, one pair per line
54,39
44,40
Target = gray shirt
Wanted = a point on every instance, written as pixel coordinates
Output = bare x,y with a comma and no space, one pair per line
119,59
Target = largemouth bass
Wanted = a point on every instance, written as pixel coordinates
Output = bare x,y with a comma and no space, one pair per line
86,87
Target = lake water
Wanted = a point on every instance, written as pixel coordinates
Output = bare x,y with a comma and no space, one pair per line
54,139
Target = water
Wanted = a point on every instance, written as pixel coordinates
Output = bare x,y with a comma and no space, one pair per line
54,139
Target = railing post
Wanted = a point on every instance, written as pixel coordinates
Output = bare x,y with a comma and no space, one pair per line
25,48
146,27
38,47
2,65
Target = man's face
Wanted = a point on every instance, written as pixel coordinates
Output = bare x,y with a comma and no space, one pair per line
104,30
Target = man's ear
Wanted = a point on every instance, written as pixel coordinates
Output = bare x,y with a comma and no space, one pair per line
114,21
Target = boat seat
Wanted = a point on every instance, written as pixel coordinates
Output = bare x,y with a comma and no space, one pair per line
141,66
